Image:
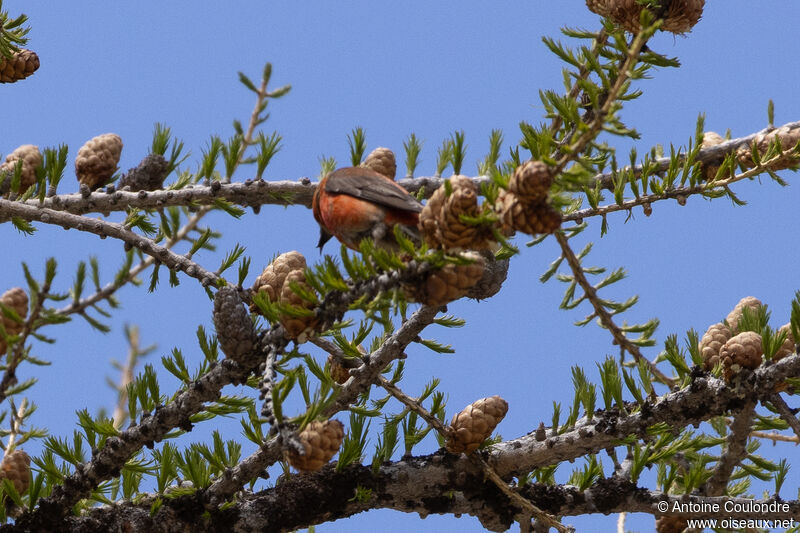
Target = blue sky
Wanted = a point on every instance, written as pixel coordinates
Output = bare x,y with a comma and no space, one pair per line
394,69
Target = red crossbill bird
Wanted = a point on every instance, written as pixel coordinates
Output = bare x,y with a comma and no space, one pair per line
354,203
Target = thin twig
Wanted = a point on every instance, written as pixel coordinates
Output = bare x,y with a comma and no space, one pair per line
601,312
126,374
677,192
614,93
775,437
16,423
786,413
447,432
17,354
583,74
104,228
523,503
712,154
108,291
414,405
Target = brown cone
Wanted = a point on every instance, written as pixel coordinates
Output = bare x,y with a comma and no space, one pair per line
19,66
321,441
531,181
475,424
296,327
97,160
272,278
710,139
452,232
440,220
449,283
382,161
429,218
16,467
31,160
714,338
530,218
788,347
741,351
680,16
754,304
338,372
17,300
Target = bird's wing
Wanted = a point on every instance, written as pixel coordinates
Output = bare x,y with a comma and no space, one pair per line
371,186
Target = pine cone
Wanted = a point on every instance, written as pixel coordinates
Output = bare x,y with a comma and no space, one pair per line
449,283
530,218
16,467
338,372
31,160
272,278
97,160
741,351
235,332
297,328
508,207
680,15
429,218
788,347
715,337
531,181
382,161
754,304
321,441
19,66
710,139
440,221
451,231
475,424
671,524
17,300
148,176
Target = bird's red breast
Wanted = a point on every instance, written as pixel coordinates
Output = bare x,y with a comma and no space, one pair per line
353,203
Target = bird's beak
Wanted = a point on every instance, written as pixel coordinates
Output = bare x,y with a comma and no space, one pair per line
324,237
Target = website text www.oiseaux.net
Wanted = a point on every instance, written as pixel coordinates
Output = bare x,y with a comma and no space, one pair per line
748,514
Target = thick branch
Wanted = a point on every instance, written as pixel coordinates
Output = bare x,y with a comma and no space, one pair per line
285,192
422,484
704,399
435,484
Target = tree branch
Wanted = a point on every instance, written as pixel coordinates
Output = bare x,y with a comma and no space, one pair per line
600,311
104,228
735,450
